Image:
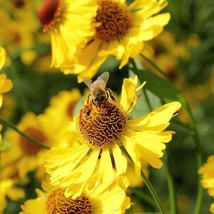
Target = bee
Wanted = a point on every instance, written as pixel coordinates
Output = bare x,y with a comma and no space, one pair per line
98,89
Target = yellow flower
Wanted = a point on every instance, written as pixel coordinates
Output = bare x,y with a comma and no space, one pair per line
59,114
4,186
24,156
207,171
105,198
69,25
212,208
108,139
5,84
121,30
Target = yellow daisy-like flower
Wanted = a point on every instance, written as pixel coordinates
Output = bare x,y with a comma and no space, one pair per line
207,171
121,30
23,155
108,198
108,140
59,114
69,25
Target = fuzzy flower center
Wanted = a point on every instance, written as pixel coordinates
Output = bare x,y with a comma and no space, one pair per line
114,20
50,14
28,147
101,125
57,203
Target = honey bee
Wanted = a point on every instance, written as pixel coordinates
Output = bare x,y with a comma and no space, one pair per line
98,89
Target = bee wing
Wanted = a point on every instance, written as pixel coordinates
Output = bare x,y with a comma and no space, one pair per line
88,83
104,76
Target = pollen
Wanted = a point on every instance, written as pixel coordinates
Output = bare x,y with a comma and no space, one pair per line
101,125
113,19
57,203
50,14
27,147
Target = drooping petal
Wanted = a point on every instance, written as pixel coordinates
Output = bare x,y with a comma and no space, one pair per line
151,145
156,120
119,160
130,146
128,96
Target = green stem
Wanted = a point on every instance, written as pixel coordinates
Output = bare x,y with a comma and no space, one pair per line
170,183
153,192
199,158
147,100
155,66
139,193
195,136
34,141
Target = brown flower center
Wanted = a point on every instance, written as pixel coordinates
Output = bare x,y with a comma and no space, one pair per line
50,14
19,3
114,19
28,147
57,203
101,125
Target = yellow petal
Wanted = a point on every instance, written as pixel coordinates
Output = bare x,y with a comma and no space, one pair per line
119,160
128,97
2,57
156,120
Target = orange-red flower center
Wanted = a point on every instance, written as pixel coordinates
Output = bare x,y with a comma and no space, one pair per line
50,13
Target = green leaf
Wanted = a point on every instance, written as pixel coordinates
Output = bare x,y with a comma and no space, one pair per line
160,86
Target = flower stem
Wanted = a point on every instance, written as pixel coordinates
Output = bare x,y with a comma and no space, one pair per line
34,141
170,183
154,66
196,139
199,163
153,192
147,100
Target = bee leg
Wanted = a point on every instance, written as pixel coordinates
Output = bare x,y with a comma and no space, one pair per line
110,94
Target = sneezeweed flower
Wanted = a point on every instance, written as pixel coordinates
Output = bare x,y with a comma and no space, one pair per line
69,25
121,30
23,154
108,198
109,138
207,171
58,114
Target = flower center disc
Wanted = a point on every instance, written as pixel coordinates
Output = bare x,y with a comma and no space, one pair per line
49,13
57,203
102,124
29,148
114,19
